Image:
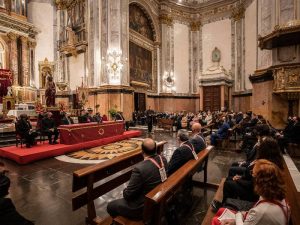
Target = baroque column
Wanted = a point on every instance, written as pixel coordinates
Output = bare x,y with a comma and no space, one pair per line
167,53
238,25
13,57
25,61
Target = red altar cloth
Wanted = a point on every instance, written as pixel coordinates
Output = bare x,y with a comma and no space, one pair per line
77,133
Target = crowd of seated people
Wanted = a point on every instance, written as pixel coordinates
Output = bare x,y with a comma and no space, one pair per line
256,184
154,170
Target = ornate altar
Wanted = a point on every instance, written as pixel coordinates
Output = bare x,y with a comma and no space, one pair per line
46,69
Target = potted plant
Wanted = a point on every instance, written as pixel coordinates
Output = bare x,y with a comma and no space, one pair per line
112,112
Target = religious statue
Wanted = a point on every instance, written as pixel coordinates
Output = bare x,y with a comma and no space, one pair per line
9,91
50,92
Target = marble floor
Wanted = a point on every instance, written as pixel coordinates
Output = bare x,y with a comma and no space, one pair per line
41,191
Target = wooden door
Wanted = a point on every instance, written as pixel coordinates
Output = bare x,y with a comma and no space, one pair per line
140,102
212,98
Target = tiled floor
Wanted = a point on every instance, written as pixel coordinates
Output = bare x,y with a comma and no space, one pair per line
41,191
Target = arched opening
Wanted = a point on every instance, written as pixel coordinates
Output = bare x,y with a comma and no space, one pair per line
142,54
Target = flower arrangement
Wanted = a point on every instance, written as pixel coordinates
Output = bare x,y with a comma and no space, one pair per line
39,108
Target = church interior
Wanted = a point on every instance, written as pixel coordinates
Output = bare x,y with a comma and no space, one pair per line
163,112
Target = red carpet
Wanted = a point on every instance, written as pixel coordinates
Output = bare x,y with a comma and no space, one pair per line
41,151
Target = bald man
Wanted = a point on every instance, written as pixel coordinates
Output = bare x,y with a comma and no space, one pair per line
145,176
197,140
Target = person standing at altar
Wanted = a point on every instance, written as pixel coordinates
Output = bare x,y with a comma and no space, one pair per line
50,92
24,129
49,128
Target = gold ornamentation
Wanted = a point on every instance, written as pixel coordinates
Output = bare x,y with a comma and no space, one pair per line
238,12
166,19
195,25
287,81
12,36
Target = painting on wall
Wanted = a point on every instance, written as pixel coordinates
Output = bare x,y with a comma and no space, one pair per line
139,22
140,60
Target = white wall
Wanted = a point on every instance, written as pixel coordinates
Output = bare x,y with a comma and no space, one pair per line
41,15
217,34
250,42
76,70
181,57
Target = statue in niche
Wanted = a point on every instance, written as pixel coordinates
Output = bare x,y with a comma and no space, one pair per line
281,79
71,36
50,92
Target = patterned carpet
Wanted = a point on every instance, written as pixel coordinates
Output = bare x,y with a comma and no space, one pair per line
102,153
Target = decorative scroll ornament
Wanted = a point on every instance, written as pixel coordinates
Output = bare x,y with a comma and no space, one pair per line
166,19
169,81
195,25
238,12
114,65
287,82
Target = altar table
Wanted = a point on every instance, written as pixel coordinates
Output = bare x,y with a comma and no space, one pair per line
77,133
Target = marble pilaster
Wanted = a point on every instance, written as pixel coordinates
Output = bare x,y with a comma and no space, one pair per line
25,61
167,46
13,56
31,46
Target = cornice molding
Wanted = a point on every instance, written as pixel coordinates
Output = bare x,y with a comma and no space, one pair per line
15,25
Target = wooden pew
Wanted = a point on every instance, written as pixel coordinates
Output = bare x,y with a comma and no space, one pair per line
165,123
207,129
156,200
219,197
89,176
292,180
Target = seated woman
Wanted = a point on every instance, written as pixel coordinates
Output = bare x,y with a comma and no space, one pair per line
241,187
24,129
271,208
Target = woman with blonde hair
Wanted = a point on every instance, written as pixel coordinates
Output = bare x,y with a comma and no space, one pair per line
272,208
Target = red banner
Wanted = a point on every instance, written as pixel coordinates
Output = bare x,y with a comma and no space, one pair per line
77,133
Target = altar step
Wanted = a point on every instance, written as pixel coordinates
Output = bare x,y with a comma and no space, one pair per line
7,139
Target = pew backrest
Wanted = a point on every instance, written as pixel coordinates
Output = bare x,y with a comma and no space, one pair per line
157,198
119,168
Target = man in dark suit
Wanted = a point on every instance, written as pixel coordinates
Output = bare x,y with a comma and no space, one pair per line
183,153
145,176
222,132
197,140
24,129
150,114
8,212
49,128
66,120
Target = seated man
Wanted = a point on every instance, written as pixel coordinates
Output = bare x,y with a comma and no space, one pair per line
49,128
222,132
8,212
97,118
183,153
145,176
24,129
66,120
197,140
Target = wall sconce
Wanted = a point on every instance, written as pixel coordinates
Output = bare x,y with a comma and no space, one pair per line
169,81
114,65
